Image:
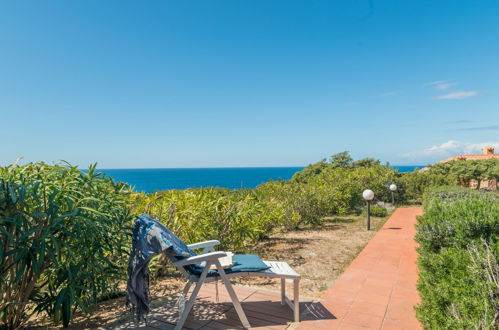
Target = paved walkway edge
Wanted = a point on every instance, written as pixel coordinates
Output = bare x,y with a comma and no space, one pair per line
378,289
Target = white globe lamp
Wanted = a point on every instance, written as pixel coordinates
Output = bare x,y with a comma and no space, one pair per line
393,189
368,195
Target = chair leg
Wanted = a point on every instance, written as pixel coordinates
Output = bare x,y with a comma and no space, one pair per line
283,291
296,300
190,302
233,296
186,288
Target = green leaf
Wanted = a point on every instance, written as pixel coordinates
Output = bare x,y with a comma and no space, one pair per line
66,308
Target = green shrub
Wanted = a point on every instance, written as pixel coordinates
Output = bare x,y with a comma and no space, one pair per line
412,186
454,217
302,204
344,187
335,190
453,193
459,275
456,288
63,238
376,211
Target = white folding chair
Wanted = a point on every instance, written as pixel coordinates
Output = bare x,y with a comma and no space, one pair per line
208,257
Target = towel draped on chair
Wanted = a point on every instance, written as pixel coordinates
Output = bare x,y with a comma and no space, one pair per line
150,238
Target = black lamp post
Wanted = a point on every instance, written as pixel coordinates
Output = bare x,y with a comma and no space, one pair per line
368,195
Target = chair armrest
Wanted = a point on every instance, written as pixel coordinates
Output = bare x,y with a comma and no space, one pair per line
200,258
201,245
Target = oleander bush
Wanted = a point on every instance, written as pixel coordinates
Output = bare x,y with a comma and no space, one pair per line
63,240
459,272
235,218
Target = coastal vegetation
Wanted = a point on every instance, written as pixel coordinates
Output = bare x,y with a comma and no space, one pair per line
459,271
239,218
65,233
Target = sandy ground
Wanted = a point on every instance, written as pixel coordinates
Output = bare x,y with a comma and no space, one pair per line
319,254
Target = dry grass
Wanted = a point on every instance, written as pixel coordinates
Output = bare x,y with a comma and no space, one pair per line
320,255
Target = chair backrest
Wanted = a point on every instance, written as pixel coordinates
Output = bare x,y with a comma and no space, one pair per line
158,234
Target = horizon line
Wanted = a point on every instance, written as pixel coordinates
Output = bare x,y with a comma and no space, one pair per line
224,167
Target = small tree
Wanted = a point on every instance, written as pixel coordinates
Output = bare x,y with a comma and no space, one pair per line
310,171
341,160
367,162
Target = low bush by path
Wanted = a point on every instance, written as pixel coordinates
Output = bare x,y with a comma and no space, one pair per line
459,272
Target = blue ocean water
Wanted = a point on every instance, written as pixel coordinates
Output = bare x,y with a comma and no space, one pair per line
150,180
407,168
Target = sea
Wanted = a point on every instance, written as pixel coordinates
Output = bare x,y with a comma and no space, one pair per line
157,179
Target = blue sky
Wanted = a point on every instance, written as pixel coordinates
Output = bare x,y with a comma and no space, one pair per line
246,83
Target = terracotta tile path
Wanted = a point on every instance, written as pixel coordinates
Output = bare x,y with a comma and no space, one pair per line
378,290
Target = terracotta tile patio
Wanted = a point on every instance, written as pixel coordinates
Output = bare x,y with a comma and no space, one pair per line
378,289
262,307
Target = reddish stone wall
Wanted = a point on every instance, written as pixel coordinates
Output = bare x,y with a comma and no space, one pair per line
485,184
